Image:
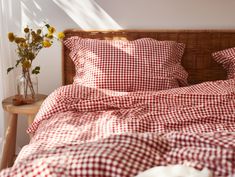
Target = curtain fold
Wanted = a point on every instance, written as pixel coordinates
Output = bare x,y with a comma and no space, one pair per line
7,87
1,77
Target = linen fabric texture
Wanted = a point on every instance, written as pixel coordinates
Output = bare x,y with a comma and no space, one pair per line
80,131
141,65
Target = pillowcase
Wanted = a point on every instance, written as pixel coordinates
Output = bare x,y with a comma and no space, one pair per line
140,65
227,59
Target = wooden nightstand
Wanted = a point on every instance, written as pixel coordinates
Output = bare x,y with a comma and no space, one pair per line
29,110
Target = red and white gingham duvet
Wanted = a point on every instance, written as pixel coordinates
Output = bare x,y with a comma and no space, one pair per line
86,132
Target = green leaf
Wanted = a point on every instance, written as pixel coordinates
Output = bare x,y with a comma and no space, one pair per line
9,69
37,67
17,62
36,70
47,25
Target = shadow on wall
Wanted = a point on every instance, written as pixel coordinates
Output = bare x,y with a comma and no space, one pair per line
66,14
62,14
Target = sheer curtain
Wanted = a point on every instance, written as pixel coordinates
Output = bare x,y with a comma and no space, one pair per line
7,87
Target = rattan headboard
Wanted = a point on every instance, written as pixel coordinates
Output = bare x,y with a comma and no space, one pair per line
196,60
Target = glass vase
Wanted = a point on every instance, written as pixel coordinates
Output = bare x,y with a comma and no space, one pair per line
27,87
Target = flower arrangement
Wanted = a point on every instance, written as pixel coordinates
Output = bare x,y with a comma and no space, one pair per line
28,48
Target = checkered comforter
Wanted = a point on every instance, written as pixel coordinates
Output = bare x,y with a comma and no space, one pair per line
85,132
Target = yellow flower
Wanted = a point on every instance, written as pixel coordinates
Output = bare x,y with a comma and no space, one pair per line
49,35
26,30
33,33
46,44
17,40
11,37
61,35
39,31
31,44
22,39
51,29
25,45
26,64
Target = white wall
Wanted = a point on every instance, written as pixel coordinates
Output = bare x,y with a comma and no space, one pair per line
111,14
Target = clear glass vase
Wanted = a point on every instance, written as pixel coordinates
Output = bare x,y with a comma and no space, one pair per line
27,87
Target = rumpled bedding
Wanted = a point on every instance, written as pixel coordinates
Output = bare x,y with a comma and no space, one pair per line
81,131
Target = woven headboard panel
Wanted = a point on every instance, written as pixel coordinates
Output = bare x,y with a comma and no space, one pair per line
196,60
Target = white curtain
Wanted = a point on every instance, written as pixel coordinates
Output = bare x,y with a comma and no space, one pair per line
7,81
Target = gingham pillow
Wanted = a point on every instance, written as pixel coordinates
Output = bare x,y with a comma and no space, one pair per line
140,65
227,59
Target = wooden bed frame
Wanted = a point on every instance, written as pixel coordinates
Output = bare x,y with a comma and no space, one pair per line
197,60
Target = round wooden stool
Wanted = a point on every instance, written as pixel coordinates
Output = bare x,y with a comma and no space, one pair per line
30,110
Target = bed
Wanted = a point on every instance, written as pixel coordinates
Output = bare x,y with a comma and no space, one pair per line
83,131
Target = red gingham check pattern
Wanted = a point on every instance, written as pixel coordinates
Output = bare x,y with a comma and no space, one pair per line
126,155
81,131
227,59
140,65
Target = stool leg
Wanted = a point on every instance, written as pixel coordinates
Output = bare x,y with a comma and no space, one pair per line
9,143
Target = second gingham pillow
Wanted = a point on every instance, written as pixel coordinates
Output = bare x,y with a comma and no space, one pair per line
227,59
140,65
